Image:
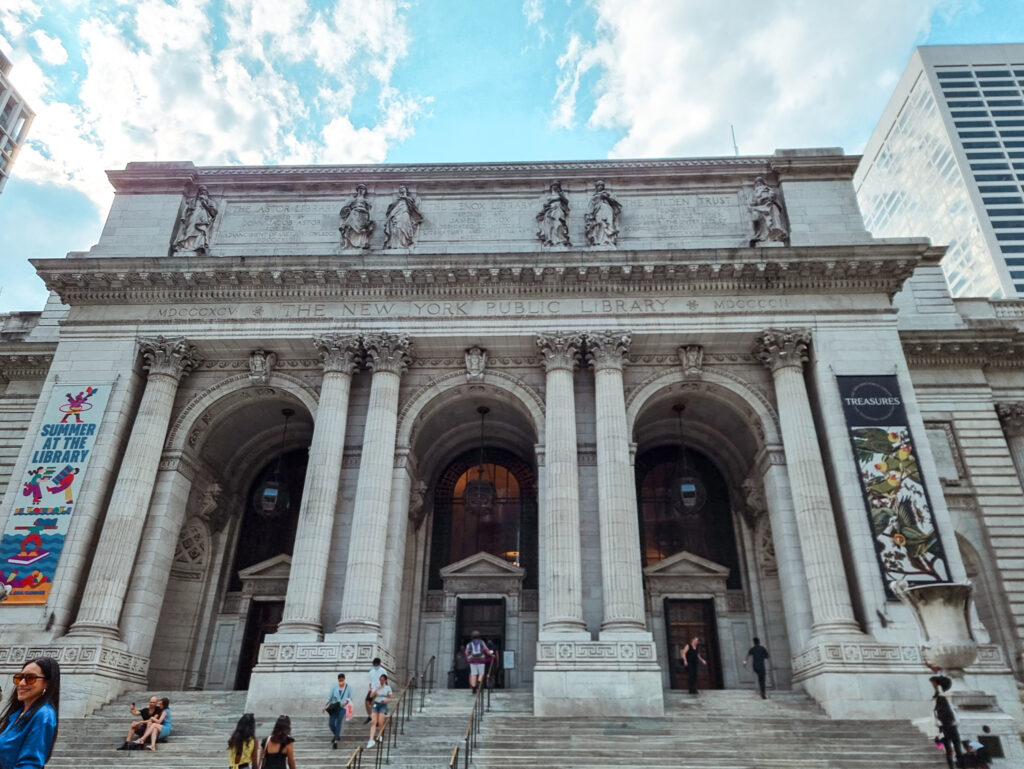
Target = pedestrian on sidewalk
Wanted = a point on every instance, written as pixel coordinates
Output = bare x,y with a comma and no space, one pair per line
243,748
758,654
338,705
28,723
382,697
478,654
375,673
279,747
691,657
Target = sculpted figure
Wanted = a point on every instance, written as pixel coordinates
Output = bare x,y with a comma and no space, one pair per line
356,227
553,219
196,222
402,220
476,362
261,363
602,217
766,211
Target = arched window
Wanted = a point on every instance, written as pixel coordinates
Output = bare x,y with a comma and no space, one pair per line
667,527
509,531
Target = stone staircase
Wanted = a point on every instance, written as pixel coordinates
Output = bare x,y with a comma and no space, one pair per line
714,730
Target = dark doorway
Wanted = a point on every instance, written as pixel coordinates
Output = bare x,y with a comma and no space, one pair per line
264,617
684,620
488,616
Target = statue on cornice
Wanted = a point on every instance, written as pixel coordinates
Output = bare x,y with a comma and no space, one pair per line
553,219
401,221
196,223
602,218
766,212
356,227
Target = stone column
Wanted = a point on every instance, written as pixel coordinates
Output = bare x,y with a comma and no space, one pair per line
621,571
167,361
394,560
1012,417
387,357
560,519
304,599
784,352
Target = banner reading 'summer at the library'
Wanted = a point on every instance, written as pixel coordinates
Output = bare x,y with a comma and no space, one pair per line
48,493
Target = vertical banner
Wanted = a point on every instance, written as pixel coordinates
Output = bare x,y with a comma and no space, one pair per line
899,511
58,465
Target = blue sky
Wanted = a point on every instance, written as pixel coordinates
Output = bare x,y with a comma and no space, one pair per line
338,81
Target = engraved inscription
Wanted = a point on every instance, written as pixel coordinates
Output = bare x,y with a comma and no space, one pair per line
688,216
276,222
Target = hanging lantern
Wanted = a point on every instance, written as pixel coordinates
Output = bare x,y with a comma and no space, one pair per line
480,494
686,493
271,497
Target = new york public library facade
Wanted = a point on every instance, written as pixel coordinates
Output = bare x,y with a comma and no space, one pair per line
590,417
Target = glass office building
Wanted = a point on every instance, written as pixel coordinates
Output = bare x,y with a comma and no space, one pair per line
947,161
15,119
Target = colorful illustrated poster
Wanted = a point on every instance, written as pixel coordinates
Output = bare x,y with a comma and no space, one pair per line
48,492
906,538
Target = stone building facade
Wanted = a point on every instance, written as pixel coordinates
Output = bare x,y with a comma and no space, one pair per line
590,409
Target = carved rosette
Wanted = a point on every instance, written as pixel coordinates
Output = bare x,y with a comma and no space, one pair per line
170,357
779,348
338,352
387,352
1012,417
559,351
608,349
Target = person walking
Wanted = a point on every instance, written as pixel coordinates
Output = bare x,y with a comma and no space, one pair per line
691,656
758,654
338,699
375,673
382,697
279,747
478,655
28,723
945,717
243,749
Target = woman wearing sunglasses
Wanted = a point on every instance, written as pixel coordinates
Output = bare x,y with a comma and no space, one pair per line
28,723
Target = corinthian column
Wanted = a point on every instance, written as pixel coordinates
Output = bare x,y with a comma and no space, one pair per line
621,571
387,356
1012,417
784,352
304,600
167,361
560,518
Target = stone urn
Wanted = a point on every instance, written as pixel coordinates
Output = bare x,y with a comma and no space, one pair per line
942,611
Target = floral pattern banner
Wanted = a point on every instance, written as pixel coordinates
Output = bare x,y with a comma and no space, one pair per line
33,539
900,514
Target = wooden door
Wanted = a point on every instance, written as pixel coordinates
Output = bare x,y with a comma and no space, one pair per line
685,619
264,617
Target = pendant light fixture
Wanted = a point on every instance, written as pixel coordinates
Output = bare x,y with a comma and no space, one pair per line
271,497
687,494
480,494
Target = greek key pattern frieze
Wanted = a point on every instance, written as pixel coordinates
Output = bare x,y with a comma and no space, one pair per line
876,657
595,651
280,657
77,658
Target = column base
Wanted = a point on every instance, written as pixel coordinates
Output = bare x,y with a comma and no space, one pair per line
597,678
87,630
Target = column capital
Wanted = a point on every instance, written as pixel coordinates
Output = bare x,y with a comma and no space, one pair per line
779,348
171,357
560,351
338,352
1012,417
387,352
608,349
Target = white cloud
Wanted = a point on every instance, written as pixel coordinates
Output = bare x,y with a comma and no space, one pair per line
164,81
533,10
674,76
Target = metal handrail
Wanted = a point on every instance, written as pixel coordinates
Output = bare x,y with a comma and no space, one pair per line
481,705
400,713
427,681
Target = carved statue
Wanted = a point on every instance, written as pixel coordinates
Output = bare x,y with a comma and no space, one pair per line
476,362
402,220
260,365
196,223
692,358
356,227
602,218
417,503
766,211
553,219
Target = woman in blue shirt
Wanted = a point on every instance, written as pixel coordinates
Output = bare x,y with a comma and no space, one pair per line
28,723
159,726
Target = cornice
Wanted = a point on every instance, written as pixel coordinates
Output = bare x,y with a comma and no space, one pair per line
170,177
876,268
25,361
981,348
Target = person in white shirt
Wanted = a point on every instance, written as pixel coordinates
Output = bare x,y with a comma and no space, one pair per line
375,673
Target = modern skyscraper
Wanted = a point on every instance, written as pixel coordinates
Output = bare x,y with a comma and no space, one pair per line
15,119
947,161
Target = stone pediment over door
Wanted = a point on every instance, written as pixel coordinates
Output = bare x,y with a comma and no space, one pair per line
686,574
482,573
267,578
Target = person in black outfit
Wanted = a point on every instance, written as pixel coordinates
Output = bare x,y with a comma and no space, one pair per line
279,747
946,718
758,654
691,656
